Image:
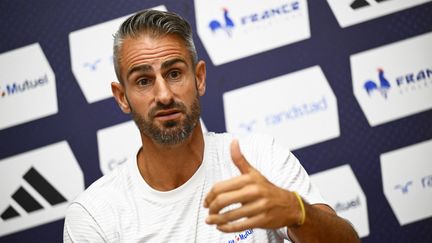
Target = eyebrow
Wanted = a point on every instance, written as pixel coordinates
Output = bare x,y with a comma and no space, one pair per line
146,67
139,68
171,62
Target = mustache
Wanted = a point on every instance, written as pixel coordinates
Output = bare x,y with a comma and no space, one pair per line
173,105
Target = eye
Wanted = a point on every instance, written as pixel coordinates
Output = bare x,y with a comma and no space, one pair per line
174,75
143,82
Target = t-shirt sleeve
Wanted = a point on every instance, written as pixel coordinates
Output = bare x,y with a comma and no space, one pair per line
80,226
281,167
288,173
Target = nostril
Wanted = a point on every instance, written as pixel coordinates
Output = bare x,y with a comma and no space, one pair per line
164,98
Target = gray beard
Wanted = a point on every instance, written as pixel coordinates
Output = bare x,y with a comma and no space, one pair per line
172,132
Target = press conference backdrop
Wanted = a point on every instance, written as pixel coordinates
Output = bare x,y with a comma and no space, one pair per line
345,84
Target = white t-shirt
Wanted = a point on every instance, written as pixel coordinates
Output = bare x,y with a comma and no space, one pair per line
122,207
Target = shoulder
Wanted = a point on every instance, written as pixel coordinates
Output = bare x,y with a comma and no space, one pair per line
258,148
106,190
253,139
93,215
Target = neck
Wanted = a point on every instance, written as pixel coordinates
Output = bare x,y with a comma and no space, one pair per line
166,167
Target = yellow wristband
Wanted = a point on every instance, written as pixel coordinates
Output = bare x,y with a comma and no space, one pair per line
302,207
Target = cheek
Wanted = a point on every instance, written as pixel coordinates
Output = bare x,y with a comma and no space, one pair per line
138,104
190,95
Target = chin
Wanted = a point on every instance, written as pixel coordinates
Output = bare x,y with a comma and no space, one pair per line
170,124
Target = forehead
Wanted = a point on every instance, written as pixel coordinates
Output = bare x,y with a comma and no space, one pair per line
150,47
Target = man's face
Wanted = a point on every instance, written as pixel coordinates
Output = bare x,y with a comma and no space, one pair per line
161,87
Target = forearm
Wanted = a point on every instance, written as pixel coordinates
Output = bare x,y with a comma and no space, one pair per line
322,225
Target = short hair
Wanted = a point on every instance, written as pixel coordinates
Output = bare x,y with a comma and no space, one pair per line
156,24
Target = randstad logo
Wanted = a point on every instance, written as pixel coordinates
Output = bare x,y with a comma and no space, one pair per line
404,187
383,86
21,87
241,236
95,64
408,186
425,182
293,113
227,22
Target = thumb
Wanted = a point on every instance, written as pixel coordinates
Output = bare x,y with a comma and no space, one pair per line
237,157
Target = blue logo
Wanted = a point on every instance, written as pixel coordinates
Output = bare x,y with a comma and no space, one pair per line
26,85
242,236
93,65
383,86
427,181
415,80
226,25
248,126
405,83
404,187
296,112
292,113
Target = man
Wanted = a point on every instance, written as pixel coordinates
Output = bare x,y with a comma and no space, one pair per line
183,185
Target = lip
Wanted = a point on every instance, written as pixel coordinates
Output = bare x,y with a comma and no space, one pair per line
168,114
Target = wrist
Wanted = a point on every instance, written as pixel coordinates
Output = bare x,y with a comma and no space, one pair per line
301,210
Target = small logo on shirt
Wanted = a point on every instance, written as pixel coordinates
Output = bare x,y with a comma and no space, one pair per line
241,236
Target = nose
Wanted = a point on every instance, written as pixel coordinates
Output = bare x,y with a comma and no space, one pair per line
162,92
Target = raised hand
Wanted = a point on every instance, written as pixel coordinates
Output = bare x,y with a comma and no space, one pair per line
263,205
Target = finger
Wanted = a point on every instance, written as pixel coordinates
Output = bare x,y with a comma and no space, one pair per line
226,186
253,222
237,157
243,195
245,211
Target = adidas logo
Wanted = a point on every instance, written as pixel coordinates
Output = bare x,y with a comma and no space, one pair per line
356,4
24,198
37,186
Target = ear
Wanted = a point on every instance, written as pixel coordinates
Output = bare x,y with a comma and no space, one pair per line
120,96
200,75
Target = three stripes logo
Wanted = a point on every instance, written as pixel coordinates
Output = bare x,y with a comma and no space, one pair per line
363,3
23,198
37,186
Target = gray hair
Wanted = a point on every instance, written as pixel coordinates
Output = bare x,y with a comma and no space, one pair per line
156,24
